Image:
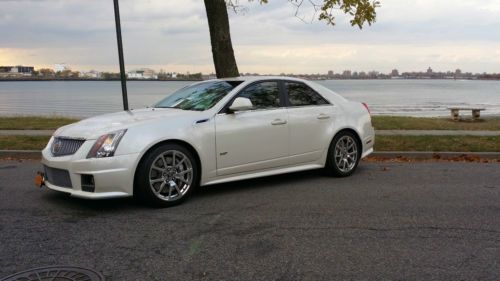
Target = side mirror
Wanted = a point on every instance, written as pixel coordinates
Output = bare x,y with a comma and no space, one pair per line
240,104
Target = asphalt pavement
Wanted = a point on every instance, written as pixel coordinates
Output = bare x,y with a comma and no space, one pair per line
389,221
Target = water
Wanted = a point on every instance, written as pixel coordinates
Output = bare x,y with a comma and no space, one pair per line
420,97
385,97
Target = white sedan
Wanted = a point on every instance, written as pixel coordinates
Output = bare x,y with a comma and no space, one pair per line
207,133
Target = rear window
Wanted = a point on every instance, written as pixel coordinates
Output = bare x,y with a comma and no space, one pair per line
299,94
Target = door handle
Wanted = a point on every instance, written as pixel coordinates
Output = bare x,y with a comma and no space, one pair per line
278,122
323,116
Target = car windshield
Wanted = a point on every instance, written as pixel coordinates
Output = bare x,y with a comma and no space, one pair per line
198,97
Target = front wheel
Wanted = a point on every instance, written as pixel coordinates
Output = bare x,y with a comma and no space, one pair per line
343,155
167,175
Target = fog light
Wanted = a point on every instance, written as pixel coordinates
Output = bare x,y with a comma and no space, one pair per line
88,183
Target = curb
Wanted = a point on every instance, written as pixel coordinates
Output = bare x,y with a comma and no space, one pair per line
436,133
434,155
37,154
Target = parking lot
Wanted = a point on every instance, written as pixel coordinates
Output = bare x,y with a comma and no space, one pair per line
398,221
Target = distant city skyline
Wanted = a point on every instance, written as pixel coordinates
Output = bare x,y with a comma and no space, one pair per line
64,71
393,71
173,35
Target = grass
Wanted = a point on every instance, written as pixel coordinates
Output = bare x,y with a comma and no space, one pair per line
438,143
34,123
382,143
426,123
23,142
379,122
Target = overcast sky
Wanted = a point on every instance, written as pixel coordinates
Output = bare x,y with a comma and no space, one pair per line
173,35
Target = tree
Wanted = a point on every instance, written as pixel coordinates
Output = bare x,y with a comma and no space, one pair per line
360,11
220,38
47,72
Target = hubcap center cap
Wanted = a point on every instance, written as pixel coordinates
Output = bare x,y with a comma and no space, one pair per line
169,174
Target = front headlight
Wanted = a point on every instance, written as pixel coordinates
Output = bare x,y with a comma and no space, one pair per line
105,145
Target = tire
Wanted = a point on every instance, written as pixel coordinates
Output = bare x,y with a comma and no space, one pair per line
164,182
343,155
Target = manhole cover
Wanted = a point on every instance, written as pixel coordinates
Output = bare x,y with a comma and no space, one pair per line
56,273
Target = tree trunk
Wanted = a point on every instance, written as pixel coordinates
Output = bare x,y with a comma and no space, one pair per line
220,38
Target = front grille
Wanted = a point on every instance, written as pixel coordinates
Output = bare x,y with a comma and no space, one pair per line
65,146
58,177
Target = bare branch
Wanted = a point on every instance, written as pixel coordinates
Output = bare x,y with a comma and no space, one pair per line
361,11
235,6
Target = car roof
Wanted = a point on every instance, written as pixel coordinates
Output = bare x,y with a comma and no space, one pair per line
260,78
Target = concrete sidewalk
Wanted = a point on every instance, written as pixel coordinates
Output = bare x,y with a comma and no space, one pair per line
377,132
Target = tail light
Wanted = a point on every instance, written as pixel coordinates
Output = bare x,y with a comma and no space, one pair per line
367,108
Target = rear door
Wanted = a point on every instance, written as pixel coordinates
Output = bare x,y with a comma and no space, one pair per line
255,139
310,119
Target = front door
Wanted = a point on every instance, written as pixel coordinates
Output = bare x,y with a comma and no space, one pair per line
255,139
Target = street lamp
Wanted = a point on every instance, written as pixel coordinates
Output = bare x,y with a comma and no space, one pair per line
123,78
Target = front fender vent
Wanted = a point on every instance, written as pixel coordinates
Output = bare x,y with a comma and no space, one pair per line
62,146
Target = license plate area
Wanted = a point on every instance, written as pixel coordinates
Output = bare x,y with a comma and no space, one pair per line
57,177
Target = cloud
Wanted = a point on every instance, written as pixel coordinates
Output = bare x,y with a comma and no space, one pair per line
173,35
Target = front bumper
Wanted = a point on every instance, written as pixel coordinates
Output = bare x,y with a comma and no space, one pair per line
113,176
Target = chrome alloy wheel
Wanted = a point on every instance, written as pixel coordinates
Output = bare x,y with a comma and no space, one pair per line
171,175
346,153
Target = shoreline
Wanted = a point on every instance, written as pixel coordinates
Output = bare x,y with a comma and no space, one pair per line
30,79
95,80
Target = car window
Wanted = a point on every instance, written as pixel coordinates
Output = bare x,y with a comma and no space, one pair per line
201,96
300,94
262,94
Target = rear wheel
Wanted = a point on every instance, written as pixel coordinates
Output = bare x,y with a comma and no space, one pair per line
167,175
343,155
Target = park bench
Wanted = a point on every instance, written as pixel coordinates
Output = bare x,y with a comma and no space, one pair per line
455,112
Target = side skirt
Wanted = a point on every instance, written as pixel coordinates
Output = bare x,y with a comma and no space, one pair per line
252,175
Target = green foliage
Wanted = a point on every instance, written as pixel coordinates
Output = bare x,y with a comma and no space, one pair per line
362,11
192,76
67,74
46,72
110,76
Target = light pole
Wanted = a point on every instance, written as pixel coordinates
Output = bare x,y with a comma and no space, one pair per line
123,77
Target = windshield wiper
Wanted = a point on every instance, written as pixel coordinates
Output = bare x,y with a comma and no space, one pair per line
168,107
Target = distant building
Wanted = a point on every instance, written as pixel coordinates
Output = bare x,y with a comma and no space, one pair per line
143,73
394,73
16,71
373,74
330,73
429,70
94,74
60,67
346,74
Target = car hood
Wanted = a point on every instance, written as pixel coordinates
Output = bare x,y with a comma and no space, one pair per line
94,127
